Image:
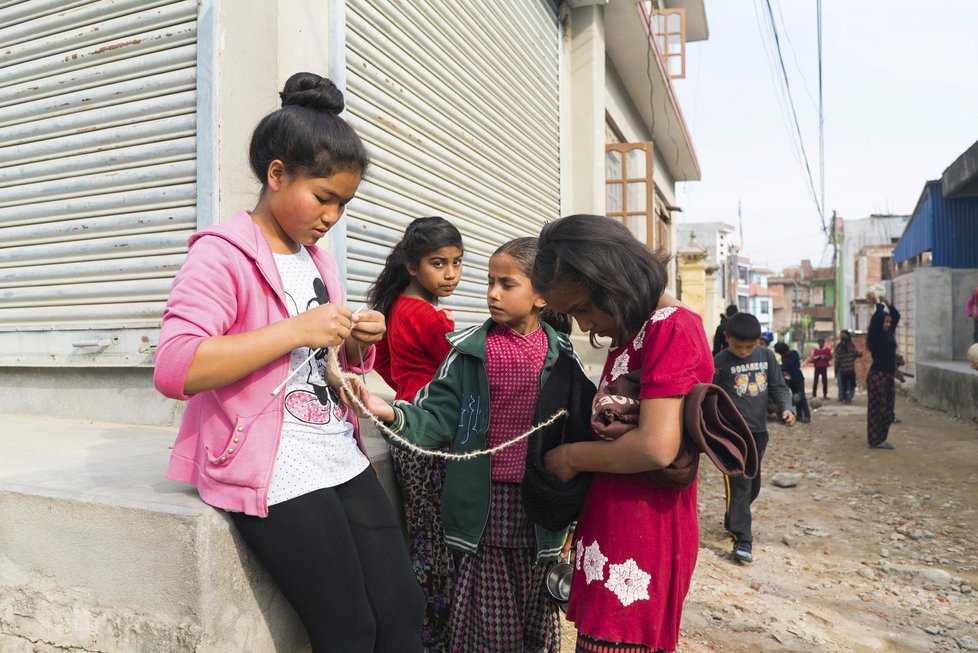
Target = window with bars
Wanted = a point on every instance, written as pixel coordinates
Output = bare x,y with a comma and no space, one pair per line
669,27
629,188
886,268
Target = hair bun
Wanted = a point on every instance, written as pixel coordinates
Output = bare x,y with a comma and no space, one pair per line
313,91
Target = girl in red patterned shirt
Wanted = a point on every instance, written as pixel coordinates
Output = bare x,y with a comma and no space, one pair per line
636,542
422,269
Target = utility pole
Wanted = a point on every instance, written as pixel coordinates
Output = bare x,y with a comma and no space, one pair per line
740,225
835,277
821,158
795,317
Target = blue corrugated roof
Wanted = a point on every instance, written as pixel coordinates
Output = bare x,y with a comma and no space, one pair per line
947,228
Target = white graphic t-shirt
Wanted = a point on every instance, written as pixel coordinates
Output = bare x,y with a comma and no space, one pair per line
317,447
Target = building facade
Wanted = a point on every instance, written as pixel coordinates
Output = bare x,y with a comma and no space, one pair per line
717,239
863,247
937,265
125,129
760,297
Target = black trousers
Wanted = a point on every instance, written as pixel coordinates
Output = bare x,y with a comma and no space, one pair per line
800,399
339,557
741,492
823,373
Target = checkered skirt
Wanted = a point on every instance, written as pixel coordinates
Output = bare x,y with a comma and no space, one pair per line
499,602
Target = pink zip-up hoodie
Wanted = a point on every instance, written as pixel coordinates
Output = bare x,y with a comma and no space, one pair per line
229,436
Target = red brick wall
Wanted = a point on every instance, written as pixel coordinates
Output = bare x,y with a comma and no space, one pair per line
874,269
864,361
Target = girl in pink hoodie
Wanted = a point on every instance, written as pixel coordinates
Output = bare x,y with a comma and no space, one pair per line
263,436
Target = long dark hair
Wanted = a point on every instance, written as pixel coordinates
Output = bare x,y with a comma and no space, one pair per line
423,235
307,134
624,278
523,251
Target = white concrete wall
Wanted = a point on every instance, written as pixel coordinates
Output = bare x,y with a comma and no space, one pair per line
582,113
934,310
259,45
963,283
934,324
874,230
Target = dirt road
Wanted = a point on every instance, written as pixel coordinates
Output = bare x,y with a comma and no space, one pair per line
871,551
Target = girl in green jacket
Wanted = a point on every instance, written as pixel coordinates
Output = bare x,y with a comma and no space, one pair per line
485,394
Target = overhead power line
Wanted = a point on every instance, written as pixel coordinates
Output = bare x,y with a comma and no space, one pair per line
794,115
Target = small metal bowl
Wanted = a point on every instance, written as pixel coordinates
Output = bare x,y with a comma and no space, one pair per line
558,582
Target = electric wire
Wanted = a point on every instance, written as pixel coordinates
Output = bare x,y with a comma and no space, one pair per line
821,127
794,56
794,113
779,91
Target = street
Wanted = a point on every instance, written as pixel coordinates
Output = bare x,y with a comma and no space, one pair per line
871,551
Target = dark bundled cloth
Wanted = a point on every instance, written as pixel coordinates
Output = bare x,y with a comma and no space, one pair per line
711,425
549,501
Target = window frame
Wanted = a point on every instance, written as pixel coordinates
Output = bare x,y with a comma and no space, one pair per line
661,32
625,215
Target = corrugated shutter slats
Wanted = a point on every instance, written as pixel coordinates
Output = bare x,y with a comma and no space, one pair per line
98,168
458,104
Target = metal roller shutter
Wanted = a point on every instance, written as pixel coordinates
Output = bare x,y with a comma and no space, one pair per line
97,175
458,103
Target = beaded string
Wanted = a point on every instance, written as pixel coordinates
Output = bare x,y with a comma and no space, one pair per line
341,377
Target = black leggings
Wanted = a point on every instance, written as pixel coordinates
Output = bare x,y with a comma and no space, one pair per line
741,493
339,557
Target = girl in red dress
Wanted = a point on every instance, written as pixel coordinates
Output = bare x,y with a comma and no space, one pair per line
421,270
636,542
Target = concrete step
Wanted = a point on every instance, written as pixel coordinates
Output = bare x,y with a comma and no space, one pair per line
100,552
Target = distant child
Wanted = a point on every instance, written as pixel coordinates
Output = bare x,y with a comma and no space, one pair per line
485,394
748,373
265,436
720,335
636,541
821,358
421,270
845,366
791,369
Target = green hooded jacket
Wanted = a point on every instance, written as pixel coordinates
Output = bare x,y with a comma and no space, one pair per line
453,410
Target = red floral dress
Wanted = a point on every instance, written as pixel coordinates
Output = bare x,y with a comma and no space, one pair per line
636,542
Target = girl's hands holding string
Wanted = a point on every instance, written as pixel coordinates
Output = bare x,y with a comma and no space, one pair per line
368,327
376,406
223,359
326,325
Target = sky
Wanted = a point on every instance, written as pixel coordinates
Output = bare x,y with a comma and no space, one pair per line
900,104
